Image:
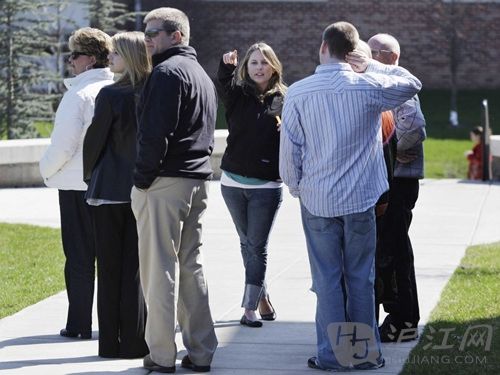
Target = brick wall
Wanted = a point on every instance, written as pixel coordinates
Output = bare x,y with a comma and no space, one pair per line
293,29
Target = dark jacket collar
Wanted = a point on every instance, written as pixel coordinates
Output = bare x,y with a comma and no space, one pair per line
187,51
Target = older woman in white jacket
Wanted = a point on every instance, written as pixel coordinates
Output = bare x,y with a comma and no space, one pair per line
62,167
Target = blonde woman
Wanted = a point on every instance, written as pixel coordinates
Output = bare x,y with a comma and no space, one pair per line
250,182
108,158
61,167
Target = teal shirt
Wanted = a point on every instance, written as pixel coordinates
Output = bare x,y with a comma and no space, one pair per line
245,180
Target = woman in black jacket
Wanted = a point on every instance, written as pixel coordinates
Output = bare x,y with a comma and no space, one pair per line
108,160
250,182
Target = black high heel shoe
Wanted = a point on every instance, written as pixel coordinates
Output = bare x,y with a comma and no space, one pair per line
269,316
84,336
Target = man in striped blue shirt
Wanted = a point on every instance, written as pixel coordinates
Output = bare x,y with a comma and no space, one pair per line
331,158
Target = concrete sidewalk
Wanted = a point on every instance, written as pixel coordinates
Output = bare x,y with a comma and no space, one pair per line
450,215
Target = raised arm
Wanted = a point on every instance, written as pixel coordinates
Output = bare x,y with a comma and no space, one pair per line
225,80
397,85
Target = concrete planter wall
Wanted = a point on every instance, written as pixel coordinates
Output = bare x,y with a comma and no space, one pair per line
19,160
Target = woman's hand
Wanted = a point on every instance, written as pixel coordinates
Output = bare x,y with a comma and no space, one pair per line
278,123
230,58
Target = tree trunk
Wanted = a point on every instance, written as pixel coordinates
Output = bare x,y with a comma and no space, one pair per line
454,60
10,78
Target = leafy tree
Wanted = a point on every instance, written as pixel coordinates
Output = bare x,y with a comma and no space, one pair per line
33,41
108,15
58,34
23,76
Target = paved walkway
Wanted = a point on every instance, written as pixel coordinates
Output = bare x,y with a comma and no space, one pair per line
450,216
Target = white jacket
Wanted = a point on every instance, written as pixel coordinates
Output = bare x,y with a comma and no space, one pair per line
62,166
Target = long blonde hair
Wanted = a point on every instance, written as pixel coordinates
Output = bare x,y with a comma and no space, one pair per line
131,47
276,83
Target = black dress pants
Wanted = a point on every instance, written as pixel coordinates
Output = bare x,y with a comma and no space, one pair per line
395,261
121,308
79,268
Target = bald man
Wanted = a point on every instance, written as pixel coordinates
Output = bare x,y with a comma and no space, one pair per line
395,256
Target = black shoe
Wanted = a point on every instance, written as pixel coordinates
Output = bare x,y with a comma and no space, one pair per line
390,333
311,363
132,355
84,336
186,363
250,323
370,365
150,365
270,316
109,354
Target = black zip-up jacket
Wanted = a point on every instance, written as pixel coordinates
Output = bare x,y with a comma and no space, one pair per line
109,145
253,141
176,116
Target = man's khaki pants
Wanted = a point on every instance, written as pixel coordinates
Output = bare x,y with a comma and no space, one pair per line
168,224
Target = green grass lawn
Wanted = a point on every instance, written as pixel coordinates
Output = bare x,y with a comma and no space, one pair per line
445,145
44,128
455,339
32,265
444,158
436,108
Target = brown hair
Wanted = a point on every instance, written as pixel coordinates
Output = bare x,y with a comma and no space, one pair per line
173,19
341,38
276,83
92,42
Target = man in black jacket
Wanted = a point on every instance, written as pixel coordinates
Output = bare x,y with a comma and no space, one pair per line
176,115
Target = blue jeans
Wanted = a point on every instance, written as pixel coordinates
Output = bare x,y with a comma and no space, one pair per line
253,212
342,246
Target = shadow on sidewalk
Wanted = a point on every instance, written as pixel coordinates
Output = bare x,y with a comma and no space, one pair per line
42,339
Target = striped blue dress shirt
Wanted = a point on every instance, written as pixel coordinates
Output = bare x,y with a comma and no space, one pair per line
331,144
